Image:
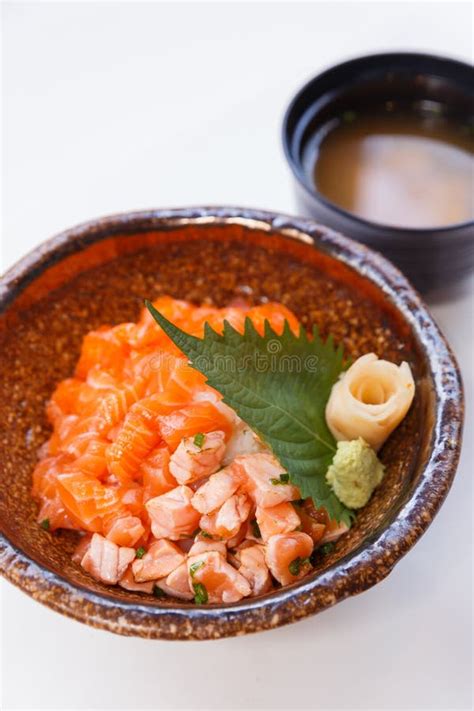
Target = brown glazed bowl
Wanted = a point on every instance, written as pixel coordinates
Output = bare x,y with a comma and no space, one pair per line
99,273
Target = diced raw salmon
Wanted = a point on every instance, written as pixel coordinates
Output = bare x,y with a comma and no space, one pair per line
220,487
157,478
136,439
197,458
105,561
276,315
172,515
92,461
114,407
253,567
101,347
226,521
161,558
199,417
281,518
124,530
287,556
86,500
221,582
263,472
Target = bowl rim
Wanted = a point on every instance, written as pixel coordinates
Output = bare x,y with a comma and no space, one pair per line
385,231
352,574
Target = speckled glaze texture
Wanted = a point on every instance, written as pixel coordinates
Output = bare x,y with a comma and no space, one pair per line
346,288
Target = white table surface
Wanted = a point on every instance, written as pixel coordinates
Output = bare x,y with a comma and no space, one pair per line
108,107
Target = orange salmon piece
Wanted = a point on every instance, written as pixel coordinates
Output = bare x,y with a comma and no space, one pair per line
281,518
263,473
92,461
191,460
124,530
103,348
161,558
157,478
137,437
221,581
200,417
64,399
86,500
276,315
105,561
115,405
289,550
172,515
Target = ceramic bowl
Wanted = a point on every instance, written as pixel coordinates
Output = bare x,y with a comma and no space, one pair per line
99,273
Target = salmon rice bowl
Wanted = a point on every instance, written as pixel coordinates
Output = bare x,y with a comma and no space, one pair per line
187,478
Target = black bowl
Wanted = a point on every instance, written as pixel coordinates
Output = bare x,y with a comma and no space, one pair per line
431,258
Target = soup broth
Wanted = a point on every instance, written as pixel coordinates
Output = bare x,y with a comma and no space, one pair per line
401,170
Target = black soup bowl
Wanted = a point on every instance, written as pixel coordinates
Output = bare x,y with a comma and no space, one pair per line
418,85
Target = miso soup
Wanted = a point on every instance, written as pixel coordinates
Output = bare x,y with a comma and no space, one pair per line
398,169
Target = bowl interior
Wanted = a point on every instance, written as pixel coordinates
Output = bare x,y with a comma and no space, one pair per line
106,282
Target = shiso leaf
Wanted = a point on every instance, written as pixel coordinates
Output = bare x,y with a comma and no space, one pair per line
279,385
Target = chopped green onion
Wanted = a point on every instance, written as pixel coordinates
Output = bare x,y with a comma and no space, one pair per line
140,552
194,567
283,479
45,524
158,592
349,116
255,528
327,548
295,566
200,594
205,534
199,439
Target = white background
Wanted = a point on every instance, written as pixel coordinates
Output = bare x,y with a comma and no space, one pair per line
109,107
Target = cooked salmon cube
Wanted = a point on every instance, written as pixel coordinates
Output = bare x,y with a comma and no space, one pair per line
176,584
124,530
242,441
128,582
333,531
217,489
204,546
197,457
172,515
161,558
264,482
252,566
311,524
105,561
226,521
287,556
281,518
215,580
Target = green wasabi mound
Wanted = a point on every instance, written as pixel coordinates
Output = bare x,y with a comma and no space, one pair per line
354,473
